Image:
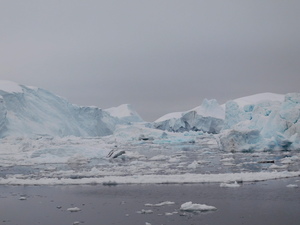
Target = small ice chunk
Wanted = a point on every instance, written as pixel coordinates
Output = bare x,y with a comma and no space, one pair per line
231,185
227,160
170,213
193,165
228,164
292,185
160,204
74,209
145,211
22,198
275,167
76,223
174,160
159,158
189,206
286,161
147,223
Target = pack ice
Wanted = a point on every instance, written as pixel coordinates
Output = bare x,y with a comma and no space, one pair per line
28,111
47,140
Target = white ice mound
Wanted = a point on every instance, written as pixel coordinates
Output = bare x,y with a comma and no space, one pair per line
125,113
208,117
190,207
266,125
27,111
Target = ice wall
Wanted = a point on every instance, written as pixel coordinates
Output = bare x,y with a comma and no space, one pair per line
266,125
32,111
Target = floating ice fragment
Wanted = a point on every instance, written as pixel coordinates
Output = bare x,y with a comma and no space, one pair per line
193,165
292,185
170,213
75,209
147,223
159,158
22,198
145,211
274,166
174,160
160,204
189,206
286,161
228,164
227,160
231,185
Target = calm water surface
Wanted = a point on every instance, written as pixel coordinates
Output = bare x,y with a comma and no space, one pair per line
269,202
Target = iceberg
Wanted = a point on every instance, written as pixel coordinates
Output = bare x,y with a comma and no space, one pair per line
264,121
30,111
268,124
208,117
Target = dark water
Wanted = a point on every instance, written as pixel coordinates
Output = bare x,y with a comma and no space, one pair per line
269,202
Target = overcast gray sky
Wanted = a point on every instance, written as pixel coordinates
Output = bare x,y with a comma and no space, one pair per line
160,56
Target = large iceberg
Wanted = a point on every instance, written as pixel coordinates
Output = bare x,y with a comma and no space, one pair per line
208,117
27,111
265,121
270,123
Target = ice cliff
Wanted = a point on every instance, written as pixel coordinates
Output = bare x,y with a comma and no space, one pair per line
31,111
208,117
263,121
271,123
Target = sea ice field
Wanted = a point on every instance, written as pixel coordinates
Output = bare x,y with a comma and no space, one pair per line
156,157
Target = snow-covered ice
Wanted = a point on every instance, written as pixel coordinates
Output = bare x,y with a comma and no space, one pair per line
190,207
74,209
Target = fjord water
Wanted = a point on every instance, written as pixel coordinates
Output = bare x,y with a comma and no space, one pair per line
260,203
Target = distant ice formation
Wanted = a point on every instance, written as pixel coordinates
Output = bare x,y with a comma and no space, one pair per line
262,125
260,122
28,111
208,117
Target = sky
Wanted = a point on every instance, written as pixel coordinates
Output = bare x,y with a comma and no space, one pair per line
160,56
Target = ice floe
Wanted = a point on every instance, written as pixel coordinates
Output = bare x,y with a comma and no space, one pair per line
189,206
